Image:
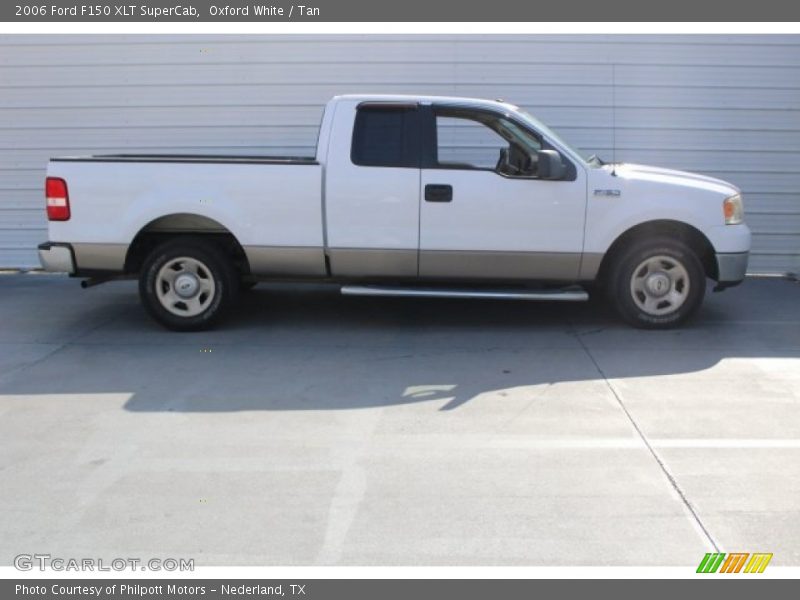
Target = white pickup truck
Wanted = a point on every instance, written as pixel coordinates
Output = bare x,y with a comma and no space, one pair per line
406,196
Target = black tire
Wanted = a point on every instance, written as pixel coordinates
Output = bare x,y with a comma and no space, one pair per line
211,269
650,261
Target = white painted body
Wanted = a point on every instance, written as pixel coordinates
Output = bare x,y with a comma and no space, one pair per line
374,222
650,194
270,205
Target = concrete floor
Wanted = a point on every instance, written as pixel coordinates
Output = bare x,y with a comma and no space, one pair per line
316,429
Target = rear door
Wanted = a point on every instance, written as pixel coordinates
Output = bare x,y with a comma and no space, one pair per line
372,191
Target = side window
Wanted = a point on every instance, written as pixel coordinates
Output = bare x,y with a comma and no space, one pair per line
470,139
466,143
386,136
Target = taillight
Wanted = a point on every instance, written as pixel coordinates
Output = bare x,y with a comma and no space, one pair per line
57,199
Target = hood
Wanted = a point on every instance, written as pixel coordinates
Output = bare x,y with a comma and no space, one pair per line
672,177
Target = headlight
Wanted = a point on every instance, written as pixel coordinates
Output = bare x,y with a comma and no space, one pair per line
733,209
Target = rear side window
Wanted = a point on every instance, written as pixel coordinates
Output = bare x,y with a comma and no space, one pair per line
386,136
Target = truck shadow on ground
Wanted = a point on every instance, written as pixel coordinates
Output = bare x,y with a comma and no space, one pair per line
333,352
288,348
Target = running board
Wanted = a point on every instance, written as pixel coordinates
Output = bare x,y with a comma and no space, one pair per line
572,294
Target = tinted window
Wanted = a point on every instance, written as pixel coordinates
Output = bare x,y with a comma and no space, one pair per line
386,137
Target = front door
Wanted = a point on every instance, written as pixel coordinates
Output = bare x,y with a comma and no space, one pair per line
485,213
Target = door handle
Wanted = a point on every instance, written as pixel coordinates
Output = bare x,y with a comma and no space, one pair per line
437,192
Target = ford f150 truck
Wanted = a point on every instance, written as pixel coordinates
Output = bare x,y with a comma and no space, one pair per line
406,196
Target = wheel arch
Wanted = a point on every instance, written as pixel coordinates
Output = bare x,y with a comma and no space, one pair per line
189,225
688,234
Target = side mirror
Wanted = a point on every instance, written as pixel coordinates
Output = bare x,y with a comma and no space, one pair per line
550,165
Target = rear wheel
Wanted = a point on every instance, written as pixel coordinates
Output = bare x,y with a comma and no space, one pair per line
657,283
187,285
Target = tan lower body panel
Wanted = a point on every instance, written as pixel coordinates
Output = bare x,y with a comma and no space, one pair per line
100,257
295,262
477,264
590,265
350,262
288,261
459,264
372,262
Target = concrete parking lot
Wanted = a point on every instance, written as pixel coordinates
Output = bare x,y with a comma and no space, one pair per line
317,429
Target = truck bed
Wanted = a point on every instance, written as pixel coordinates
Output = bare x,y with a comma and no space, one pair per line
192,158
271,205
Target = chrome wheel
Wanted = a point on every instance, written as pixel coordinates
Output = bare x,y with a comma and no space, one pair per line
185,286
660,285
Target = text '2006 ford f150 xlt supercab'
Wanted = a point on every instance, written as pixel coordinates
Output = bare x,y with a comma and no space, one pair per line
406,196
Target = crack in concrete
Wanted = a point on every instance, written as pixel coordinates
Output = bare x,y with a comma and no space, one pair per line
73,341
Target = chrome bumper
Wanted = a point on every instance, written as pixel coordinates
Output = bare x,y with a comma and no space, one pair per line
56,257
732,267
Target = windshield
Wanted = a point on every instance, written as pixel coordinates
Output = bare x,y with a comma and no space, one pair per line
537,125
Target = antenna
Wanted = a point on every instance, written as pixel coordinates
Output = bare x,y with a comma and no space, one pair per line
614,119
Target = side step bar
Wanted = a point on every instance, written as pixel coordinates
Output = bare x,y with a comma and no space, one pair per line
572,294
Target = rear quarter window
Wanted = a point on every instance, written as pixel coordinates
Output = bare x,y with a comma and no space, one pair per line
386,136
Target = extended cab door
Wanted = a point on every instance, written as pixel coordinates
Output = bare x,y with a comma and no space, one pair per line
486,213
372,190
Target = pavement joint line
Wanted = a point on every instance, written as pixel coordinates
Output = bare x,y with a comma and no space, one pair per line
662,465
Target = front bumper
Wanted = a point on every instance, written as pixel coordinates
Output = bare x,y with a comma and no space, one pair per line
731,268
57,257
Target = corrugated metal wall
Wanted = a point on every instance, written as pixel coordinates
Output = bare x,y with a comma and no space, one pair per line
728,106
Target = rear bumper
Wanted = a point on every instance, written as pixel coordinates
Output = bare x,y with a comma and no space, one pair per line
58,258
731,268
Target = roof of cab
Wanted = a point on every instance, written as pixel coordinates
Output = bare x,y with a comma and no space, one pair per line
480,102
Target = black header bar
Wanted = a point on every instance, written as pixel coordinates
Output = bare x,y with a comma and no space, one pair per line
203,11
732,588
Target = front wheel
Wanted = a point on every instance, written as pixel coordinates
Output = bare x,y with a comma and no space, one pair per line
186,285
657,283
